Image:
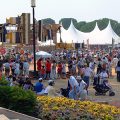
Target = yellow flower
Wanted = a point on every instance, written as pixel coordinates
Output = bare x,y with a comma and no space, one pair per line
55,108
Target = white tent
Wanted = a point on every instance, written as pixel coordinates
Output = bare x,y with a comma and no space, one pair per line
65,36
108,34
94,36
72,35
102,37
43,54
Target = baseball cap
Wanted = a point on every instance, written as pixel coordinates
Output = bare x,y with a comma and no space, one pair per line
40,79
50,81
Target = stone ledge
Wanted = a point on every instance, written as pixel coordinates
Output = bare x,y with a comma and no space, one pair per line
15,115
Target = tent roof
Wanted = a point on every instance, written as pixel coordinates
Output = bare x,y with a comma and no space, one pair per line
97,36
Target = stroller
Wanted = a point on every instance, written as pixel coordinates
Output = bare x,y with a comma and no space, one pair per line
102,89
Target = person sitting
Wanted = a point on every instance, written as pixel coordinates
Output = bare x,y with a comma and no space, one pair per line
103,76
50,90
39,87
28,85
82,92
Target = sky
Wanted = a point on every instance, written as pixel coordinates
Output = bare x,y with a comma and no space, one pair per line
81,10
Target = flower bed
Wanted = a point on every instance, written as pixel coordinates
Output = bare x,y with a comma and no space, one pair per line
60,108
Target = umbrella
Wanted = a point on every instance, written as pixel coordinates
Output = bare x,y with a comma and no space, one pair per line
43,54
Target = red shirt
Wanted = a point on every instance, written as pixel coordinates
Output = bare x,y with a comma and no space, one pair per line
48,66
43,71
59,68
39,65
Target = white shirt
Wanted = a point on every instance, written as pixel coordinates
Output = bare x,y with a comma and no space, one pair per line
82,86
73,82
103,76
88,71
115,61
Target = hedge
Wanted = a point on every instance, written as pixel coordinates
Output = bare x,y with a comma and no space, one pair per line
15,98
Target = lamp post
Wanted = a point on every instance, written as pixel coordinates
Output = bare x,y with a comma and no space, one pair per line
33,5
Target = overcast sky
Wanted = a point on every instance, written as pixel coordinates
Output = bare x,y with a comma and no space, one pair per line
82,10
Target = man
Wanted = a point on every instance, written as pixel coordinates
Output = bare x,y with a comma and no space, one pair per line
82,92
87,74
50,89
39,87
73,87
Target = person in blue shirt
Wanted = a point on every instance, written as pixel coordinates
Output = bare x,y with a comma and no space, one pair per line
39,87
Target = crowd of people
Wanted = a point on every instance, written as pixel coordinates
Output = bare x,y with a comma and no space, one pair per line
77,66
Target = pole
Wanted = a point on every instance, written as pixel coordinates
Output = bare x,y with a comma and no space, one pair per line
34,42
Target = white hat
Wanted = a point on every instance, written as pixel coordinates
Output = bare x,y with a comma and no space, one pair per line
40,79
50,81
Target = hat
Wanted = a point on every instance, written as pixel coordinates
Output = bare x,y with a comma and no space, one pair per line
50,81
40,79
78,78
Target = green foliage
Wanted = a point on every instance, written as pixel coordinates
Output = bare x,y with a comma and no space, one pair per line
67,21
15,98
79,25
3,81
48,21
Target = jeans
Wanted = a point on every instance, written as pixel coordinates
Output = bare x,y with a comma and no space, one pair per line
86,80
72,93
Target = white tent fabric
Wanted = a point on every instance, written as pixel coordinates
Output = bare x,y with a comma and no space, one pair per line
108,34
72,35
65,36
94,36
43,54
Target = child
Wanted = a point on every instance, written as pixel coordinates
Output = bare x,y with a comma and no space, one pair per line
59,69
43,72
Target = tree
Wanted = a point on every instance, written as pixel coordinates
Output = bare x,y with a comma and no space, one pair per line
48,21
67,21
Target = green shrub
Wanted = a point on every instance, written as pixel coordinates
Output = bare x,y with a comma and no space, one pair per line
15,98
3,82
